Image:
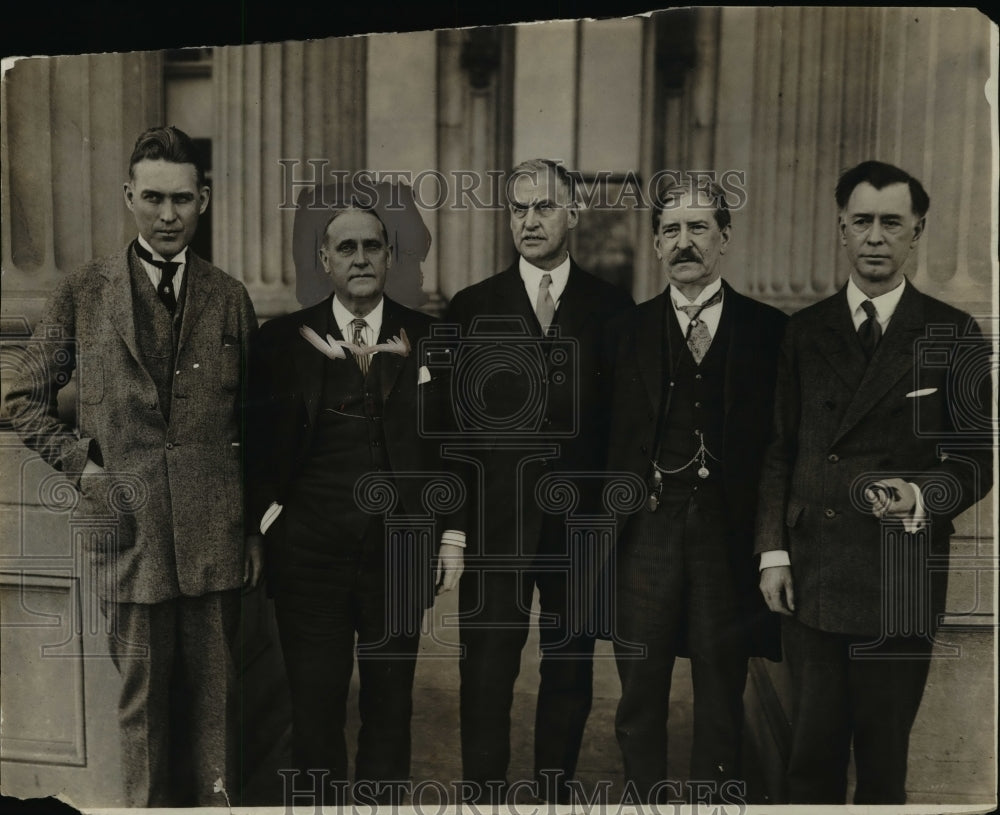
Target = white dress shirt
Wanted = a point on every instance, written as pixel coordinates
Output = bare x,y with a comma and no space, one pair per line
155,273
343,317
709,316
885,304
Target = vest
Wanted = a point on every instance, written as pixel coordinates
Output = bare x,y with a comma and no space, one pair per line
156,331
348,442
697,405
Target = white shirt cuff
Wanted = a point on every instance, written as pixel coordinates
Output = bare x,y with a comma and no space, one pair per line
453,536
776,557
270,516
919,517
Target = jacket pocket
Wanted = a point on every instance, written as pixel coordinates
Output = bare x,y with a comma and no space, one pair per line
230,363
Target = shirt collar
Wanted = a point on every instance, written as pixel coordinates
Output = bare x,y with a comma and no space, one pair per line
678,298
885,304
180,257
343,316
532,276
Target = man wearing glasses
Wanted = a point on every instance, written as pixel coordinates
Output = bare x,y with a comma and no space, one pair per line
532,408
882,435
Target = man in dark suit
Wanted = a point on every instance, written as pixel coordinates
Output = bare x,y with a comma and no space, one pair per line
336,459
528,397
882,399
158,338
693,384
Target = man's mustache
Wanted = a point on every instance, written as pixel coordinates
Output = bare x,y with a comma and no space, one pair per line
685,256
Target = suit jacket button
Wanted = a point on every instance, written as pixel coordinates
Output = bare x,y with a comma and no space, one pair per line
833,457
829,513
170,445
642,449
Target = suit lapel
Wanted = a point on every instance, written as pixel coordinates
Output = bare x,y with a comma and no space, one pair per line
200,289
893,358
307,360
837,342
118,301
513,299
651,346
390,364
739,352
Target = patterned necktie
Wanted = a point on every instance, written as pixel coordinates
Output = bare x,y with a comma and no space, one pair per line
364,360
545,307
699,338
168,269
869,332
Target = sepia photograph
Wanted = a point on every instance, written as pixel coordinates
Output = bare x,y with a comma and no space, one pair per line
593,411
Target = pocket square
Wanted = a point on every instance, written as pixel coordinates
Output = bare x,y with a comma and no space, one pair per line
921,392
423,375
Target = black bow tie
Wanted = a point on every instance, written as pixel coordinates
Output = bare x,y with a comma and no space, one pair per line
168,268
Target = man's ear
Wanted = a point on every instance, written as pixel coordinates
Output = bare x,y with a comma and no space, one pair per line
324,259
203,195
388,259
572,216
127,189
727,232
842,229
918,230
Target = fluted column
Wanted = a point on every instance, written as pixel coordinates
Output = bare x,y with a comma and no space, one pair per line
280,106
831,87
474,135
68,124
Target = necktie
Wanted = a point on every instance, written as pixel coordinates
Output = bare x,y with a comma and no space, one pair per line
168,269
699,338
545,307
869,332
364,360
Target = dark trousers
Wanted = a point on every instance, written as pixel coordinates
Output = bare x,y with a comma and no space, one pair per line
873,698
676,594
318,622
495,617
178,710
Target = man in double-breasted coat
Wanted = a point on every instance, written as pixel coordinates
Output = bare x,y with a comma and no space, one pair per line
158,338
881,437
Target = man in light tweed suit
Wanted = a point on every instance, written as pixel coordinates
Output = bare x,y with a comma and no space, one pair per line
157,337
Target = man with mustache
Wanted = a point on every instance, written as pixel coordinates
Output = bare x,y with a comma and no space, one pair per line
326,419
692,382
882,435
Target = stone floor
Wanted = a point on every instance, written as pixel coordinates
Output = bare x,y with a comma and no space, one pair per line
951,759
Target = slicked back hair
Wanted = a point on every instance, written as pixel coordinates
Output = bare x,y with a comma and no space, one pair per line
169,144
879,175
